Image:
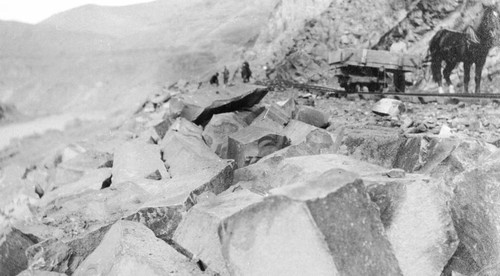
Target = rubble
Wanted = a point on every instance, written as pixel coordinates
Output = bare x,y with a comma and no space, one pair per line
388,107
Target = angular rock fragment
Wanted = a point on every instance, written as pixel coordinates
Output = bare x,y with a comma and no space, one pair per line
248,115
289,106
297,131
199,107
130,248
327,226
134,161
250,144
13,243
312,116
162,128
198,231
217,130
388,107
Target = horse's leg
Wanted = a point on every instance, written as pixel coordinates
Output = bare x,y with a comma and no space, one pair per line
436,72
467,66
477,77
447,72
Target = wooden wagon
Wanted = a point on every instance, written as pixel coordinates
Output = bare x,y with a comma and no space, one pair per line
358,68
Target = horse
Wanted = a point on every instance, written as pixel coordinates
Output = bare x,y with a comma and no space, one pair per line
470,47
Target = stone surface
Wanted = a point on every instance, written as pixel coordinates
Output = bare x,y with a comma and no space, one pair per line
297,131
312,116
250,144
217,130
135,160
198,232
129,248
388,107
13,243
324,226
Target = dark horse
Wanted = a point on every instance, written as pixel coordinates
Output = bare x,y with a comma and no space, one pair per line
469,47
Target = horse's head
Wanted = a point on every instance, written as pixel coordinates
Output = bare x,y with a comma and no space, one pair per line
489,29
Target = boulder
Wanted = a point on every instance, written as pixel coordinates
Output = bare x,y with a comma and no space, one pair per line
82,213
88,160
135,160
297,131
200,106
476,216
198,232
217,130
416,216
289,106
162,128
318,141
129,248
377,145
248,115
388,107
312,116
250,144
64,256
276,172
91,180
325,226
13,244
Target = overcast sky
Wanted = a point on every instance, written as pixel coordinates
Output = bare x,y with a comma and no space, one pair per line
34,11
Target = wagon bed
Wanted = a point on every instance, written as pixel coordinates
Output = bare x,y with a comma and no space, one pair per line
374,58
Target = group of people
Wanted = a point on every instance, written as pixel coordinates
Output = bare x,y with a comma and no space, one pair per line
245,71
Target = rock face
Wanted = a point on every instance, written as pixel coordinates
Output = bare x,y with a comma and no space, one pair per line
327,226
13,244
130,248
250,144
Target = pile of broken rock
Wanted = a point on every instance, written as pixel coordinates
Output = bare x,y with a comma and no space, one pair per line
211,182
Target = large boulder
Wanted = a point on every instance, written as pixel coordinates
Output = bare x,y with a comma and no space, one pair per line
312,116
198,232
129,248
416,216
200,106
476,216
325,226
272,118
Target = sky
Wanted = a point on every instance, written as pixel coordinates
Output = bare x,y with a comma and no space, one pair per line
34,11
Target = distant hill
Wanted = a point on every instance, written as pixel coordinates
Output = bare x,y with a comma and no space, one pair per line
95,57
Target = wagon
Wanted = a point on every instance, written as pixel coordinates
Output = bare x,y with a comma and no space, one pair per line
358,68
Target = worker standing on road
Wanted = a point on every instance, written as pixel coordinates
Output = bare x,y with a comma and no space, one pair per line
399,46
225,75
